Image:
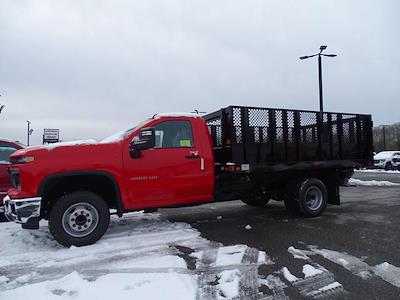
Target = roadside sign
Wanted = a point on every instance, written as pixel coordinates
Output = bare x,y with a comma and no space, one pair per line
51,135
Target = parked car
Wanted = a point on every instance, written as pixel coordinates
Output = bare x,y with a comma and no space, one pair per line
6,149
388,160
172,160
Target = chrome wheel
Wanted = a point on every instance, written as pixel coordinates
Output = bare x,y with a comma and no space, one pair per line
80,219
314,198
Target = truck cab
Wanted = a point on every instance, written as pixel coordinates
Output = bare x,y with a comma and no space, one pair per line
166,161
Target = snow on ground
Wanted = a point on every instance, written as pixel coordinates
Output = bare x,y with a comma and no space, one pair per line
357,182
117,286
140,256
300,254
310,271
358,267
143,256
288,276
388,273
377,171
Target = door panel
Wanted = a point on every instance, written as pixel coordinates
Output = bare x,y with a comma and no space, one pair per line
168,176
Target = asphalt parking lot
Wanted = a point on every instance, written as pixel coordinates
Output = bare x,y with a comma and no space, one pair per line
359,235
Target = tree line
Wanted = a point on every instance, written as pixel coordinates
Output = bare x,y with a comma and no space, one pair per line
386,137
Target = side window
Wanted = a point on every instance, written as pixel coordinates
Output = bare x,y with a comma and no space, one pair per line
5,153
173,134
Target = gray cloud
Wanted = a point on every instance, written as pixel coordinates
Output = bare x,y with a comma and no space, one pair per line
94,67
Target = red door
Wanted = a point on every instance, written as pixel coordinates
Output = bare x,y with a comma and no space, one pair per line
172,173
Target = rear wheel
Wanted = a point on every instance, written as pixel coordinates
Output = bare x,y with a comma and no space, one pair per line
308,197
79,219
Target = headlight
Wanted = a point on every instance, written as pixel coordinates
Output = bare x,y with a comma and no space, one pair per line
22,159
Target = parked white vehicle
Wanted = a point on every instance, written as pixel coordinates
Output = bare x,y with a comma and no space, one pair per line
387,160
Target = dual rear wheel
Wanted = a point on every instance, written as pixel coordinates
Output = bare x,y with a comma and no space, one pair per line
307,197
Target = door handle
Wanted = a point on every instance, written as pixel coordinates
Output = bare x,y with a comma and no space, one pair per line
192,156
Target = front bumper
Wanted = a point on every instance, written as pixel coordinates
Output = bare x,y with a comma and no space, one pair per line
379,166
22,210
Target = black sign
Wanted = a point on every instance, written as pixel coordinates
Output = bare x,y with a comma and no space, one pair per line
51,136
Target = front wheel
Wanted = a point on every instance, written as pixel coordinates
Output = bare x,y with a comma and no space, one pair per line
388,166
79,219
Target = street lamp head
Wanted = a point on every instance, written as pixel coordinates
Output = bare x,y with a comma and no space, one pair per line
322,48
304,57
329,55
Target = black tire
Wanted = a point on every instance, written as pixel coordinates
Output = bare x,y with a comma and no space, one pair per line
388,166
256,200
92,218
308,197
3,218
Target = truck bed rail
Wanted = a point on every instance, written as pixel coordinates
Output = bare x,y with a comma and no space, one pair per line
265,136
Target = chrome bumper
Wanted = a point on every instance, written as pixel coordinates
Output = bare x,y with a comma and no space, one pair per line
22,210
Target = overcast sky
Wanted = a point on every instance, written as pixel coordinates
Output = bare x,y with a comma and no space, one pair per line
91,68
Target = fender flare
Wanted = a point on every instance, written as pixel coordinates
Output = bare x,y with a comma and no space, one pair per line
58,176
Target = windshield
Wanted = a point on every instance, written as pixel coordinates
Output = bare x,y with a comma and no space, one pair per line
5,153
122,134
384,154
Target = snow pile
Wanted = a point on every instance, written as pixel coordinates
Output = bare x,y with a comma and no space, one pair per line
3,279
288,276
300,254
229,283
358,182
310,271
388,273
358,267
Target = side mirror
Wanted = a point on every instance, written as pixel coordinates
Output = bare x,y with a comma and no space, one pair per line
145,141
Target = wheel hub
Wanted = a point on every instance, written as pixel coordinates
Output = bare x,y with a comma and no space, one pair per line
80,219
314,198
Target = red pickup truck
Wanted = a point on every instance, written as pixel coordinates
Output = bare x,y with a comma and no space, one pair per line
171,160
6,149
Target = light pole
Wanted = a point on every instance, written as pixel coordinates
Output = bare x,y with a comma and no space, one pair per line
29,132
322,48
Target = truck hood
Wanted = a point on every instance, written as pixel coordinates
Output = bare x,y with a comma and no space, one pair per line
51,147
71,156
